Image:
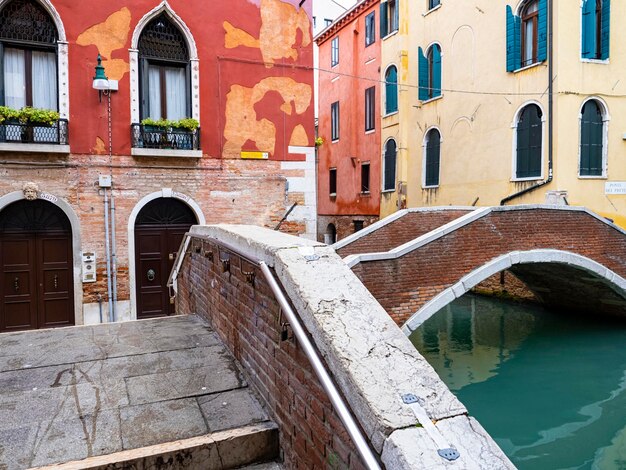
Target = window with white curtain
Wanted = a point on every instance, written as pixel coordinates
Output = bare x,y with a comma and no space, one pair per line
164,71
28,52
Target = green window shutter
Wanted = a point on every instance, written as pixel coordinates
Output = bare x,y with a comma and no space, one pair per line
589,29
422,75
391,90
397,16
591,140
1,74
383,19
542,31
436,71
529,139
606,28
389,163
513,41
433,157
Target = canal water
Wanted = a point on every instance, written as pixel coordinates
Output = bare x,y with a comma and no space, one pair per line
549,388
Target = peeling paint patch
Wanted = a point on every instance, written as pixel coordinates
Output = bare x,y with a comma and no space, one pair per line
299,137
99,148
278,36
108,36
242,124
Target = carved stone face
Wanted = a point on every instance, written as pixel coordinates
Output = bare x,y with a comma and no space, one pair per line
30,191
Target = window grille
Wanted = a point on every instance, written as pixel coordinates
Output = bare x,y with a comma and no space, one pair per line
27,21
162,40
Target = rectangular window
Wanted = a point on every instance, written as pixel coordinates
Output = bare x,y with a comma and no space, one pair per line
433,3
358,225
334,52
332,181
327,22
365,177
30,79
334,121
314,22
393,15
370,29
370,108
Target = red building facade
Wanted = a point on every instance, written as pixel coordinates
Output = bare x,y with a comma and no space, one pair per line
227,89
349,162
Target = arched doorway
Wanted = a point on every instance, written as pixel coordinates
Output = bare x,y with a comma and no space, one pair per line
159,230
36,266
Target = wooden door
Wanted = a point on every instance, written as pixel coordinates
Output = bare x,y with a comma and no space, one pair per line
159,230
36,267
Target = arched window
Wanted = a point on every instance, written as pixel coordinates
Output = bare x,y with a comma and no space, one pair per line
389,166
530,24
429,73
391,90
28,53
164,71
529,142
432,146
591,140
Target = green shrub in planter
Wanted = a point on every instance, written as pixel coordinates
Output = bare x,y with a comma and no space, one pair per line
37,116
8,114
189,124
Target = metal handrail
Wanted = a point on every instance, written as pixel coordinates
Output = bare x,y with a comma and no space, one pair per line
363,448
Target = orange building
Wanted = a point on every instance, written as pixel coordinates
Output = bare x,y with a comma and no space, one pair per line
349,162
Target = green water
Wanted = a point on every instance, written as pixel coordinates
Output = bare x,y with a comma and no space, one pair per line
549,388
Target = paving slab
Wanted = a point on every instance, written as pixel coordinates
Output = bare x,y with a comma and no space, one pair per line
74,393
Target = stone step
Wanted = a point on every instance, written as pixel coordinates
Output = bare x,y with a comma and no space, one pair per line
233,448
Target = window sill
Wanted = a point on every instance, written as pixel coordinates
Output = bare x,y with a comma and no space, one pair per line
371,131
365,194
390,114
34,148
527,67
141,152
432,10
334,141
393,33
594,61
431,187
388,191
530,178
333,196
430,100
593,177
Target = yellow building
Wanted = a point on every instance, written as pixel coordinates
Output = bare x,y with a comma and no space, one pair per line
473,123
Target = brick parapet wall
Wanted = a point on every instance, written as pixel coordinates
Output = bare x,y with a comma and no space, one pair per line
400,231
417,277
247,318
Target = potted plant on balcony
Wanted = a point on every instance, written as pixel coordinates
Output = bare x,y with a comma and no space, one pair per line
34,119
183,140
7,116
162,133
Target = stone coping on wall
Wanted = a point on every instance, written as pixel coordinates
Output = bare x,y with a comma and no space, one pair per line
373,363
353,260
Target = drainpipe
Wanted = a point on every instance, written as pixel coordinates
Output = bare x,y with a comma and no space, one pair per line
108,252
550,113
113,257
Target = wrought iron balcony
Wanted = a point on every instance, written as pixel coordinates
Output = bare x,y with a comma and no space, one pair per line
30,133
153,137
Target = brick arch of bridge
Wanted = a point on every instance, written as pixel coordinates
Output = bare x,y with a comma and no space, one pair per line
569,257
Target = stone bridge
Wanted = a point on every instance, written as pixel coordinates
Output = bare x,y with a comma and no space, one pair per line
419,260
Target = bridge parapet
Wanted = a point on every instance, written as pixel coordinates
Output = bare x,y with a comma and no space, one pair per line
371,360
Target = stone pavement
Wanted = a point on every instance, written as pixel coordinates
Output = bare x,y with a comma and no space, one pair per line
72,393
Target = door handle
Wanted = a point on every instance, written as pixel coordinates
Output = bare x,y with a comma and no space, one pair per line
56,282
151,274
16,284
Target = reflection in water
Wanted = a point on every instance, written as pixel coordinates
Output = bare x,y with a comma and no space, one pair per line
550,389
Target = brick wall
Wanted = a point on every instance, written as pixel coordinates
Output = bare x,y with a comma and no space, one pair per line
417,277
402,230
247,319
227,191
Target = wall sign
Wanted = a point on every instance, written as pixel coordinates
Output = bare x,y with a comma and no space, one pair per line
615,187
255,155
48,197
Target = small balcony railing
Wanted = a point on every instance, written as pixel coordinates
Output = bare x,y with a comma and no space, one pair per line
30,133
152,137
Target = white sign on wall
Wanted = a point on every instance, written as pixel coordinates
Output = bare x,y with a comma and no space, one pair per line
615,187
